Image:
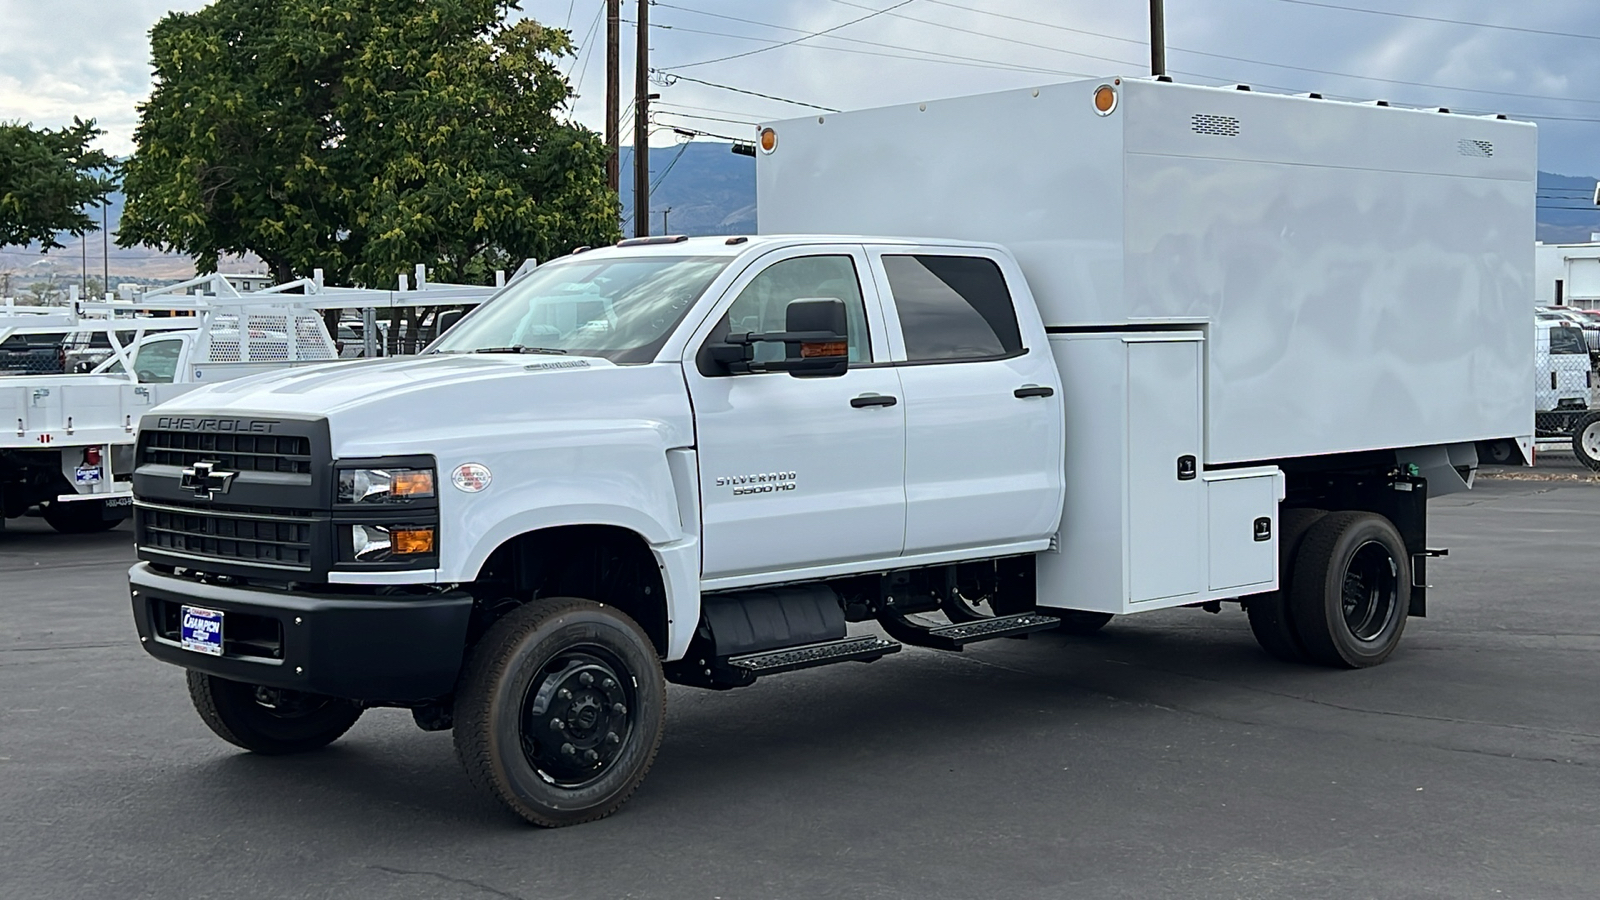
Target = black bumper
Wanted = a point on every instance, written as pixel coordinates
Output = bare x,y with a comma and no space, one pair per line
372,649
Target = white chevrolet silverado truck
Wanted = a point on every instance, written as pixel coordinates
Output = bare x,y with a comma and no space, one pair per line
1160,346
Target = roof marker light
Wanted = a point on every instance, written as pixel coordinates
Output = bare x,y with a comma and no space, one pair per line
768,140
1105,100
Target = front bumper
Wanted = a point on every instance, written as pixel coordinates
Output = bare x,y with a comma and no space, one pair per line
359,648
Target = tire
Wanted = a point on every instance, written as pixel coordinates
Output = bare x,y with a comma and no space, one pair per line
77,517
1586,440
1079,622
1351,590
557,670
1269,615
295,722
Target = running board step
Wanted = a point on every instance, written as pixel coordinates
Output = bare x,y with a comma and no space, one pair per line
954,637
789,659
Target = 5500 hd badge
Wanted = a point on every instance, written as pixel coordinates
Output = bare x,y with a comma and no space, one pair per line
231,426
761,483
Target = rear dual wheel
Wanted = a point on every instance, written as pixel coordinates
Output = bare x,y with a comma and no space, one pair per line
1345,594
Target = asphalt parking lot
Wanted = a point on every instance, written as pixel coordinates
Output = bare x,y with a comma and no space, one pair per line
1166,757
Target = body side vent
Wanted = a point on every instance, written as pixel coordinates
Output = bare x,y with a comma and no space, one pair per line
1480,149
1204,123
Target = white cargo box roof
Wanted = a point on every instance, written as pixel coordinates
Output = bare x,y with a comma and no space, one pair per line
1362,273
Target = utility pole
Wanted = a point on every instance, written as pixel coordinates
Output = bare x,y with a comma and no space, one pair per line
613,92
664,220
641,124
1158,38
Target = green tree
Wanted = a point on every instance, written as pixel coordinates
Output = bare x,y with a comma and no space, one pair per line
362,137
47,177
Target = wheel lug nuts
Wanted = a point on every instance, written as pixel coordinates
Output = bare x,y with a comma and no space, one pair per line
586,679
611,738
590,756
564,694
568,749
558,725
608,684
619,709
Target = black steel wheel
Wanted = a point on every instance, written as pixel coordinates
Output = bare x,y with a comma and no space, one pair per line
1586,440
77,517
1352,590
269,721
560,711
1269,614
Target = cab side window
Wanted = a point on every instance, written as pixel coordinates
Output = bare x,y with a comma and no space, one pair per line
952,308
157,362
762,306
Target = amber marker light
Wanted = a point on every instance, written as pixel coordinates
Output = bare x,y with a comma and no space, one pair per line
416,483
1105,99
768,140
410,541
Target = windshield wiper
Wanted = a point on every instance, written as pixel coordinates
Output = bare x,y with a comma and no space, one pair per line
520,348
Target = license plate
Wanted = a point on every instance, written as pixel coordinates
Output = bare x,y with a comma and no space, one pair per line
87,475
201,630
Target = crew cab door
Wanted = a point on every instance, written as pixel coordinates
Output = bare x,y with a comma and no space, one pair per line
797,473
982,399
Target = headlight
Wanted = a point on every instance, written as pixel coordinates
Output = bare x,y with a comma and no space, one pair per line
388,485
381,543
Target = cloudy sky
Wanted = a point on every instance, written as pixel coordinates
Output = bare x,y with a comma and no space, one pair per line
1538,58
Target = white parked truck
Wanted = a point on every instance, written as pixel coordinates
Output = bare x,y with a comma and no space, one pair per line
66,440
1149,346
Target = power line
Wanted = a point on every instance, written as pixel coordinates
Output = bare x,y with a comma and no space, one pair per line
1421,18
1444,87
583,51
687,115
663,176
875,13
949,58
673,76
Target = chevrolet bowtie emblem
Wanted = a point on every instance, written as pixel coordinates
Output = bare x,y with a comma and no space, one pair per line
205,480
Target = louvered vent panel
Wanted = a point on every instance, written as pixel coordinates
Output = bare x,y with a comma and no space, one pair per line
1480,149
1204,123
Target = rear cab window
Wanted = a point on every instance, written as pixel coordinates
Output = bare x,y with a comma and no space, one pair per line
952,308
1567,340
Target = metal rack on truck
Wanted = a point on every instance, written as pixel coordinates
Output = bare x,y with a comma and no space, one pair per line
66,440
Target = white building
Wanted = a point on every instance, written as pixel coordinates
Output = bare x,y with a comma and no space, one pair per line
1567,274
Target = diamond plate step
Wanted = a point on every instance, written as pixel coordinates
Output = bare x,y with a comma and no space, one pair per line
771,662
954,637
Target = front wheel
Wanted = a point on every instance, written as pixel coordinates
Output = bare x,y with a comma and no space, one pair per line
561,711
269,721
1586,441
1351,590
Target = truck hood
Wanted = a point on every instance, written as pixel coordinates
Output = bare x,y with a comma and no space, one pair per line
385,406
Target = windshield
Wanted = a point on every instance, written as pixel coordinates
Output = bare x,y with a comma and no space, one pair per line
621,308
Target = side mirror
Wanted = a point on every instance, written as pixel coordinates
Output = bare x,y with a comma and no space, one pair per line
816,342
447,320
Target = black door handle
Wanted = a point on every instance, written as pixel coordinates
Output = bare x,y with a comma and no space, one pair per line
866,400
1033,390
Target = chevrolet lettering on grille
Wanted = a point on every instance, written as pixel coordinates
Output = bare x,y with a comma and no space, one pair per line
204,479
